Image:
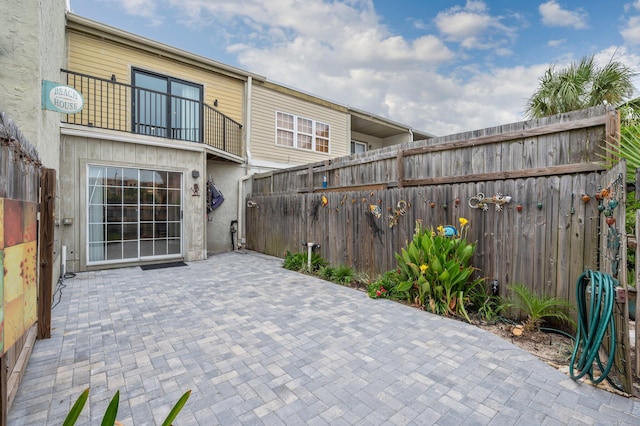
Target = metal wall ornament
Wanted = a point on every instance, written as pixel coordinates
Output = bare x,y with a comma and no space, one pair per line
479,201
401,210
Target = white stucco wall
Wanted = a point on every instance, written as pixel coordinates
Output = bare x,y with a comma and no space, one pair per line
32,49
225,176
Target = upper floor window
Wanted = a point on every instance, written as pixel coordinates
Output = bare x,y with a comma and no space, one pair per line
166,107
358,147
301,132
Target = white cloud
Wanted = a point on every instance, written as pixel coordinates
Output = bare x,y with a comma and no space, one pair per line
631,32
554,15
342,51
419,24
556,43
634,5
473,27
143,8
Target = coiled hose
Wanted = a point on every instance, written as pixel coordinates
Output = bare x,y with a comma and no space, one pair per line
593,323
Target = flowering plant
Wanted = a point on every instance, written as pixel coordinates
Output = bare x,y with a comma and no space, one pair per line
384,286
435,271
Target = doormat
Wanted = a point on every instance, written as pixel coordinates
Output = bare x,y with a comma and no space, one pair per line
162,265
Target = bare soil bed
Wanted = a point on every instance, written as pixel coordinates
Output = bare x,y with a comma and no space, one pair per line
554,349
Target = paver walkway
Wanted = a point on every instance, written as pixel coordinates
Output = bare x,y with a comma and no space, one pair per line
261,345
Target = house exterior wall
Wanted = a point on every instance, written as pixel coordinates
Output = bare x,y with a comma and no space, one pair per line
225,176
264,151
97,50
377,143
81,151
33,49
396,140
104,57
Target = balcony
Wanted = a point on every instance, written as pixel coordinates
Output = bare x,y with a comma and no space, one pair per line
111,105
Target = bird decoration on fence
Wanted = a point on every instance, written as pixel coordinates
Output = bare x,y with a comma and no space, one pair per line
375,210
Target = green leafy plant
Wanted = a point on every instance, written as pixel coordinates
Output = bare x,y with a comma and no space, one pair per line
538,309
109,418
490,308
293,261
342,275
627,149
435,270
326,272
298,261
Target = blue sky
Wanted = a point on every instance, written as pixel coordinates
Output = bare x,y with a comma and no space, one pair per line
437,65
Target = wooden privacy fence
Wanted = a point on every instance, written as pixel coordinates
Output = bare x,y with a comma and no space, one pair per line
545,237
552,230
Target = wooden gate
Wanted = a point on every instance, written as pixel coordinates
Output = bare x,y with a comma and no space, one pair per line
612,261
26,248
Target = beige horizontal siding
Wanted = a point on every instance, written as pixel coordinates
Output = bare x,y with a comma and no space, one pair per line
265,104
102,58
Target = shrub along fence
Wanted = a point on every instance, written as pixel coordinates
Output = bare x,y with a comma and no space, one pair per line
552,229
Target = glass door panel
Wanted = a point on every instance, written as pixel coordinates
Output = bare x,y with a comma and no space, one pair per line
132,214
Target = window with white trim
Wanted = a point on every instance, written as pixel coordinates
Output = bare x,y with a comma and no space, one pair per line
303,133
358,147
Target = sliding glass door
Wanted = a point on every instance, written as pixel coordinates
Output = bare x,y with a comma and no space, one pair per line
133,214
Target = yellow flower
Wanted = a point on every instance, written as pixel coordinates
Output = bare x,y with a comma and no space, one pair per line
440,230
463,221
433,233
423,268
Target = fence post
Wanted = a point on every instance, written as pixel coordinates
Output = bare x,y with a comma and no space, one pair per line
45,283
400,167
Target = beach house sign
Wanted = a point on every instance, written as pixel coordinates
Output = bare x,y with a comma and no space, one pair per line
61,98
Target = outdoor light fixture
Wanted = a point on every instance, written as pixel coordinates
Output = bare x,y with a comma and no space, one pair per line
215,103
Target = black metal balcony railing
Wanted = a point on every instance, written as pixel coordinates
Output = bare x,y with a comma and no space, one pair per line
111,105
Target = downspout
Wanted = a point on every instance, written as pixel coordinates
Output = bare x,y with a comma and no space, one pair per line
241,207
241,238
248,125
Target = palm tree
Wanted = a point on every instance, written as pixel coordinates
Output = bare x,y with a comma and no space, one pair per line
581,85
628,146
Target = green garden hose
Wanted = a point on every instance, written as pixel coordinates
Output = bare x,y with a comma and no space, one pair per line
593,323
